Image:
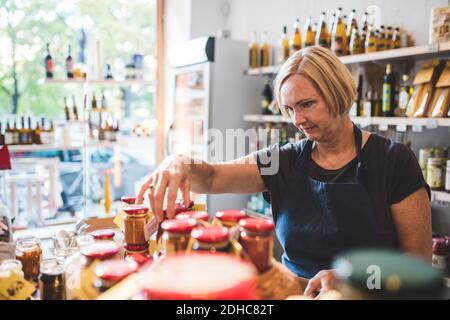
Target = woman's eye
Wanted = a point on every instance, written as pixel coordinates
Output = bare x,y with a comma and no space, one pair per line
307,104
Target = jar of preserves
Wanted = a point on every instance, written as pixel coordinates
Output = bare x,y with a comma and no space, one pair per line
424,155
100,251
29,252
52,284
140,258
439,259
109,273
134,223
230,218
212,239
435,173
176,234
126,200
256,238
103,235
197,215
9,267
201,276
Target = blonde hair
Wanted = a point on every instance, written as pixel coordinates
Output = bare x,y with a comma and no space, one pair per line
329,75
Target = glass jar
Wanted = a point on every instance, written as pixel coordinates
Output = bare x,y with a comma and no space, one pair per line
447,177
212,239
424,155
29,252
140,258
197,215
126,200
435,173
439,259
256,238
134,223
109,273
52,285
230,218
9,267
103,235
176,234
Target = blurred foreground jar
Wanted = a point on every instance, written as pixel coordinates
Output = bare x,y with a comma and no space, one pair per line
52,284
230,218
202,276
9,267
176,234
384,274
109,273
197,215
103,235
134,223
29,252
211,239
256,238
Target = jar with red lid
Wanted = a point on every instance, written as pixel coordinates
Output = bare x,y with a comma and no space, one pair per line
439,260
180,207
197,215
140,258
201,276
109,273
256,238
103,235
176,234
134,222
128,200
230,218
212,239
100,251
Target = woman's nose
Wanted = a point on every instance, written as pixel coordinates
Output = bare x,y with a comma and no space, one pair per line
297,118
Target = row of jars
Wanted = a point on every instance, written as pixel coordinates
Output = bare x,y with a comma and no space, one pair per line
435,165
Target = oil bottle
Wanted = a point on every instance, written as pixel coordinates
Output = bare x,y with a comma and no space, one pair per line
371,41
253,52
296,39
310,36
264,51
323,34
339,43
283,48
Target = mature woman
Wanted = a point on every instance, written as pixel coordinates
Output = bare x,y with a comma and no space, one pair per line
340,188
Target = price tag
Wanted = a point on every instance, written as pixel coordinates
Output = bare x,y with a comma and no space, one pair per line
15,287
118,220
432,123
383,127
150,228
416,128
401,127
433,47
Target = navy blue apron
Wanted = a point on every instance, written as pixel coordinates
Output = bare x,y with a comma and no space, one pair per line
318,220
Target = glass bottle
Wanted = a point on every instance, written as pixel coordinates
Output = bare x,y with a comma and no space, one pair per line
381,43
296,39
339,42
264,51
310,36
253,52
283,49
69,63
371,41
323,34
351,24
355,42
388,92
48,63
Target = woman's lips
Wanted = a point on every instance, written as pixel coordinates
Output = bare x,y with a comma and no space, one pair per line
308,129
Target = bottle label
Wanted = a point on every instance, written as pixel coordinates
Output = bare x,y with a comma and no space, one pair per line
403,99
434,177
264,103
386,97
70,66
50,65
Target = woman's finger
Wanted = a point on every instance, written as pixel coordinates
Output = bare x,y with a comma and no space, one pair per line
160,192
313,287
143,189
186,190
172,191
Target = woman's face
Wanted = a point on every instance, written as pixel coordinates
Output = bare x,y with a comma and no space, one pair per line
307,108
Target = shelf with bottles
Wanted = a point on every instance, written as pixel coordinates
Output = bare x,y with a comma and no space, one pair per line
124,82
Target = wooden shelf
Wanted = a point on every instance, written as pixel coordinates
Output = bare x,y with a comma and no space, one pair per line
417,52
100,82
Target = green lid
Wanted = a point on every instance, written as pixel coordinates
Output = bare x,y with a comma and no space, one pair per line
389,274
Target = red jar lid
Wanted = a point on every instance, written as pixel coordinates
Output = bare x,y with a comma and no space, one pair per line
231,215
201,275
103,234
439,246
179,226
139,258
115,270
128,199
135,209
257,224
100,250
135,247
197,215
210,234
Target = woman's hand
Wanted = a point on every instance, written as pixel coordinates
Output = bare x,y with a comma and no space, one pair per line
170,176
320,283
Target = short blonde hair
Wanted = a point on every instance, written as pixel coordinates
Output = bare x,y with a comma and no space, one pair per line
329,75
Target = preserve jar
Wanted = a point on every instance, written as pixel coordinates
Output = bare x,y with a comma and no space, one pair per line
103,234
201,276
134,223
176,234
211,239
52,284
109,273
29,252
256,238
9,267
230,218
197,215
140,258
128,200
435,173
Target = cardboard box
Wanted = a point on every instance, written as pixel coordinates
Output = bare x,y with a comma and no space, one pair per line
440,24
440,105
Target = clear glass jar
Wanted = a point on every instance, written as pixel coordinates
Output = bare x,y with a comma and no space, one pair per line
176,234
256,238
134,222
52,285
29,252
109,273
230,218
435,173
211,239
10,266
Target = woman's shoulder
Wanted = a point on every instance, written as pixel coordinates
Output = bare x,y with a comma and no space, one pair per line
379,147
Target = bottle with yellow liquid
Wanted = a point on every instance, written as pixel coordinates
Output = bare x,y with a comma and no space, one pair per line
283,47
364,29
310,36
323,34
351,24
253,52
107,196
396,41
381,44
339,43
355,42
332,21
296,39
389,43
371,41
264,51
